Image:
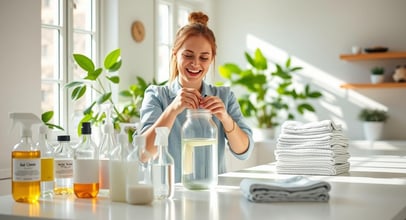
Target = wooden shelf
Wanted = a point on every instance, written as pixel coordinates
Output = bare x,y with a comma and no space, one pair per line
370,85
373,56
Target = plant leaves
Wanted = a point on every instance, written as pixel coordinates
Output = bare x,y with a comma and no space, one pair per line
84,62
114,79
125,93
115,67
305,106
47,116
104,98
78,92
94,75
73,84
112,58
260,60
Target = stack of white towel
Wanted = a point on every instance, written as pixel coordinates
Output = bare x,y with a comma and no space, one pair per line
315,148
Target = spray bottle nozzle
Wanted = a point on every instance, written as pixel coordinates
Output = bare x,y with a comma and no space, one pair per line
162,134
27,120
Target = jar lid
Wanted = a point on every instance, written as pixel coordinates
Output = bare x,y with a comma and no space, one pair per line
63,138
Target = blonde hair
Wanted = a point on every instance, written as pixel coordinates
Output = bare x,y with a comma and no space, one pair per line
197,27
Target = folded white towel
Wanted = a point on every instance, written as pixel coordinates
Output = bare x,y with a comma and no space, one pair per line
314,145
301,169
294,189
332,152
310,160
296,127
314,137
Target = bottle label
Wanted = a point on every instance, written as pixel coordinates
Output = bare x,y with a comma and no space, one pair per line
26,170
47,169
63,168
85,171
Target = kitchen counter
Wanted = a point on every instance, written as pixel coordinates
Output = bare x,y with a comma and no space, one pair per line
375,188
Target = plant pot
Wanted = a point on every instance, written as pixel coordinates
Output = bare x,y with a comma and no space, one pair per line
376,79
261,134
373,130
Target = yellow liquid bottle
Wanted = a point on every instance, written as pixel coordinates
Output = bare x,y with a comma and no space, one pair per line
86,190
25,186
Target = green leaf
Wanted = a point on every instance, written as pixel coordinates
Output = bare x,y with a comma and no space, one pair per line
228,69
115,67
287,64
114,79
84,62
125,93
314,94
88,110
94,74
52,126
260,60
78,92
73,84
47,116
104,98
305,106
112,58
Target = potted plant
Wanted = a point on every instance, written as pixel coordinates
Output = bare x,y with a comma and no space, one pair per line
377,74
373,121
100,80
270,96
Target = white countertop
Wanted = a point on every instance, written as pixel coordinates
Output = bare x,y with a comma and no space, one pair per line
375,188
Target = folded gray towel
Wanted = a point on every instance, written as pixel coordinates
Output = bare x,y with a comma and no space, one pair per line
294,189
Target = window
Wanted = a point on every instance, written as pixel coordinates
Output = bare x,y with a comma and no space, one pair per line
171,16
68,26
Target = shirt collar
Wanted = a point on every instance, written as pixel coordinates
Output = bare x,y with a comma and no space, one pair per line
175,87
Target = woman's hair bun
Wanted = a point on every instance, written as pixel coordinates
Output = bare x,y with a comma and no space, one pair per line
198,17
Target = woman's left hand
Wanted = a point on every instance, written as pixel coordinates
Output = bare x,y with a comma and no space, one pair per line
215,105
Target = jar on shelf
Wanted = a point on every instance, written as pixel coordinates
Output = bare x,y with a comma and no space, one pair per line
199,150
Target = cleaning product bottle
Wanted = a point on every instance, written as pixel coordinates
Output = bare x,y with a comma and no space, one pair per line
63,157
163,176
107,144
26,162
47,163
118,169
139,189
86,165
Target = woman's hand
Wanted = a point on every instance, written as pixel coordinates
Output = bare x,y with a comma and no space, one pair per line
186,98
215,105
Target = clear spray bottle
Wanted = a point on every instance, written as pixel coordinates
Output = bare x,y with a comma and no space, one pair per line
163,166
139,189
47,163
26,162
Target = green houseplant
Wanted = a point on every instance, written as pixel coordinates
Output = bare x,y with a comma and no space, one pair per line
100,80
377,74
268,93
373,121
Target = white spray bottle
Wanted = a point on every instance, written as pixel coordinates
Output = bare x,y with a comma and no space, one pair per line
26,162
163,174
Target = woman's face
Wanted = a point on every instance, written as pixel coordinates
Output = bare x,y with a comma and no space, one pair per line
194,58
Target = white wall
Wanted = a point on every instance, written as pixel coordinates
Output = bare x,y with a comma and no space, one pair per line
20,61
315,33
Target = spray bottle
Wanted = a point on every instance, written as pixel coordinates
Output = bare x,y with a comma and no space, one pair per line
26,163
117,168
163,166
107,144
139,189
47,163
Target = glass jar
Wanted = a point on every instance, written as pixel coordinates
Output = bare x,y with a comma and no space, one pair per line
199,150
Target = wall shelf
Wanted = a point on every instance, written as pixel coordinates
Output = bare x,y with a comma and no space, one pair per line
373,56
372,86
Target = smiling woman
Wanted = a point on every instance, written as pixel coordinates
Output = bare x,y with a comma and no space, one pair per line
193,52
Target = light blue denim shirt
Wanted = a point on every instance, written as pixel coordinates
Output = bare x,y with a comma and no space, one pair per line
156,100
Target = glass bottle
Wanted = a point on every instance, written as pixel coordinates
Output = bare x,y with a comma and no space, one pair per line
47,163
163,172
118,169
86,165
199,150
63,157
26,162
139,189
107,144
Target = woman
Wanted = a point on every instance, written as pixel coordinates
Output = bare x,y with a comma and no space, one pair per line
193,52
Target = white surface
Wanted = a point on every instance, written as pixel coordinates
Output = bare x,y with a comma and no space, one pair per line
375,188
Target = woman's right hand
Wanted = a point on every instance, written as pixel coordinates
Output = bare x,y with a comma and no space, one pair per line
186,98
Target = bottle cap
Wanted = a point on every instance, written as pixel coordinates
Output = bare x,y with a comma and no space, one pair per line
86,128
63,138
